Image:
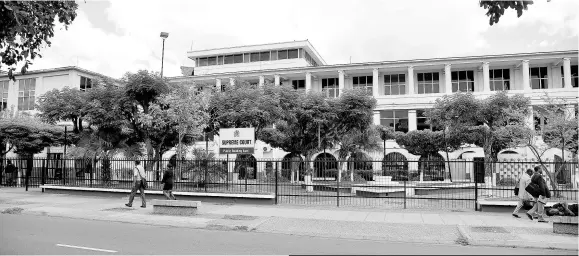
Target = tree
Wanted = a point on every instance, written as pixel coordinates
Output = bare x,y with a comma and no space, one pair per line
484,122
243,106
66,104
27,26
299,130
560,130
496,9
140,91
108,133
356,142
183,111
27,136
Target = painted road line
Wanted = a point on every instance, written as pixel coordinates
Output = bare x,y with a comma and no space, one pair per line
85,248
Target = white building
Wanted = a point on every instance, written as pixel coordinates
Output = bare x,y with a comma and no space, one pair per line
403,88
22,94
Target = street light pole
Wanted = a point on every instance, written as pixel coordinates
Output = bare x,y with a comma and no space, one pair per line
164,35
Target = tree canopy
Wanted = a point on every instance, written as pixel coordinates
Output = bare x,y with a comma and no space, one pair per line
27,26
487,123
496,8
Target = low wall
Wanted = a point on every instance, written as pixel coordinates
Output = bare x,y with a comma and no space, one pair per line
241,198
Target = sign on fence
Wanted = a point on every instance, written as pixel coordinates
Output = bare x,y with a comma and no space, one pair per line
237,141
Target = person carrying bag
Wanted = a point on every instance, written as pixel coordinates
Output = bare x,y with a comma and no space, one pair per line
540,192
524,196
139,184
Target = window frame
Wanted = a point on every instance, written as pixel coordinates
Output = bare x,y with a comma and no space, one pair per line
389,85
500,80
574,77
396,120
432,84
462,78
4,88
543,81
22,90
331,91
368,84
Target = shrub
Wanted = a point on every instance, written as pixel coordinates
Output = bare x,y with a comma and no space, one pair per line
507,182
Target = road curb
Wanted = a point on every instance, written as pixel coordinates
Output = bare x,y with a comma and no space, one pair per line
514,243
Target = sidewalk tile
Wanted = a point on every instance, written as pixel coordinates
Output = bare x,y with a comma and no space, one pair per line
451,220
393,217
471,220
330,215
357,216
433,219
375,217
415,218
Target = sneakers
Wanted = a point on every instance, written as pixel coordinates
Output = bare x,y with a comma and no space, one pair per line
516,216
530,216
128,205
143,206
542,220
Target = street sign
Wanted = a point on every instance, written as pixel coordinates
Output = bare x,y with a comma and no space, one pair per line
237,141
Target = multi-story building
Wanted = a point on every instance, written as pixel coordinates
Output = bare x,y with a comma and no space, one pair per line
22,94
403,88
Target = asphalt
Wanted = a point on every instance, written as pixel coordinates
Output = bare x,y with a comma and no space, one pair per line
421,227
30,235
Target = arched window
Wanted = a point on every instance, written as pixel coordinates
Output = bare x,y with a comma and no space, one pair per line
246,166
432,165
292,161
395,165
325,166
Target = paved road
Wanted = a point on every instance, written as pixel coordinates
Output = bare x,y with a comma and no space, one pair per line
24,234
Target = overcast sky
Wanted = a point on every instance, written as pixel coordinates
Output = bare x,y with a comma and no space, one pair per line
113,37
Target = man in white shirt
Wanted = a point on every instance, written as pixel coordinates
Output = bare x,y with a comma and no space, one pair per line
139,178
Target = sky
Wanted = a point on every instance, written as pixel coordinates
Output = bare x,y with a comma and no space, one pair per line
119,36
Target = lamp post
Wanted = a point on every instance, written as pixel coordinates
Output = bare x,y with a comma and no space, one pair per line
164,35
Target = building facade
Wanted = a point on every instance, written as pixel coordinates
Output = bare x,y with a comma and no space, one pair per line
404,89
22,95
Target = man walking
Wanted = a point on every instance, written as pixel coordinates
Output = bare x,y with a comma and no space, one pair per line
541,197
11,173
138,176
524,196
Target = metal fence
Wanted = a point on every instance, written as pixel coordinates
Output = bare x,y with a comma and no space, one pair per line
393,183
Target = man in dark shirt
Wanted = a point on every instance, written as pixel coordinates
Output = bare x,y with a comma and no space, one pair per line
11,173
563,209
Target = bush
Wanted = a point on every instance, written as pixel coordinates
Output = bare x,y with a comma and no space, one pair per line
402,175
367,175
507,182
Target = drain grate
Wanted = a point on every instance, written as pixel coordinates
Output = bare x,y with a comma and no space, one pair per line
119,209
489,230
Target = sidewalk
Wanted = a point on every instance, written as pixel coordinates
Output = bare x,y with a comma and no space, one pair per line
466,228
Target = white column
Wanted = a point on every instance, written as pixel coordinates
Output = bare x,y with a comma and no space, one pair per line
486,77
376,117
567,73
375,88
308,81
218,84
570,112
530,118
341,81
412,124
276,80
410,79
447,79
261,80
525,69
232,81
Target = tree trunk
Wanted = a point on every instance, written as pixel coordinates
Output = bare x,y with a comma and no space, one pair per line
552,176
488,169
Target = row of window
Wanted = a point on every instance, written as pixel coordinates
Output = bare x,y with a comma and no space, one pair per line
499,79
398,119
255,57
27,92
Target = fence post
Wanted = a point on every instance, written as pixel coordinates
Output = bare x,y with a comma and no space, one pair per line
206,166
475,190
27,172
338,191
405,194
42,174
276,182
